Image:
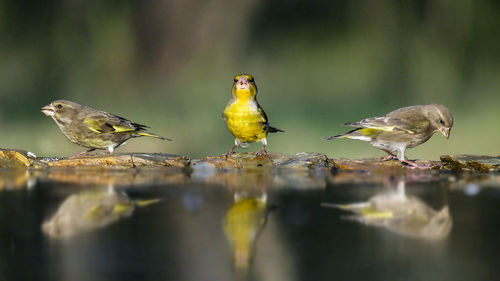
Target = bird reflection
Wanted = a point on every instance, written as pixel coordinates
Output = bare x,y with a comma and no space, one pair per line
243,223
401,214
90,210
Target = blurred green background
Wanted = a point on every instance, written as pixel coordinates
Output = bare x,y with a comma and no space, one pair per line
170,64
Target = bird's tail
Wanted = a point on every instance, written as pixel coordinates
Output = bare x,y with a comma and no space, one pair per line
142,203
347,207
147,134
274,130
364,134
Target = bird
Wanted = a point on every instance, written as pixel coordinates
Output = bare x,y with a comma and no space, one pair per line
400,129
244,117
93,128
90,210
400,213
243,223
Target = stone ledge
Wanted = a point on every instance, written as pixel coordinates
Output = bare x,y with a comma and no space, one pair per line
132,160
249,160
14,159
478,163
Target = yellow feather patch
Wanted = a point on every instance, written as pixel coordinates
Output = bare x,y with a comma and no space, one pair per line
94,213
369,132
142,203
120,129
94,125
122,208
376,214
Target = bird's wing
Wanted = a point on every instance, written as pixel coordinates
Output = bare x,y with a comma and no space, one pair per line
107,123
409,120
263,116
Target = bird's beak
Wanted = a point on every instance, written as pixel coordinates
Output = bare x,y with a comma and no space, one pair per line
243,83
48,110
445,131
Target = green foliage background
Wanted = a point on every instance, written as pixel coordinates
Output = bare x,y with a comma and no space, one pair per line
169,64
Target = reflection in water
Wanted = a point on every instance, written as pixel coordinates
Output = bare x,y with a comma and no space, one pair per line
90,210
16,179
242,225
401,214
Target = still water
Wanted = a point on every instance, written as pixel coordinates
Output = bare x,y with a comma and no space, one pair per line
256,224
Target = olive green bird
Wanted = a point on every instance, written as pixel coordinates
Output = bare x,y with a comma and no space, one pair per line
400,129
244,117
90,210
93,128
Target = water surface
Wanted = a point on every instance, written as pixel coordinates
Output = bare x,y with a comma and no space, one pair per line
257,224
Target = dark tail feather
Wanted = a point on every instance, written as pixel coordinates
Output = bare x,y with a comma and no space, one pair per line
274,130
339,136
331,137
351,124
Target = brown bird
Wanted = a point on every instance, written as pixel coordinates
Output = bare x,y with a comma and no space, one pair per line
93,128
400,129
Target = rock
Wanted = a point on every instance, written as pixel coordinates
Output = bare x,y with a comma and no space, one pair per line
13,158
249,160
479,163
120,161
374,164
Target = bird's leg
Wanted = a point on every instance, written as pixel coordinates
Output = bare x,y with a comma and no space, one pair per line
390,156
262,151
82,153
411,164
231,151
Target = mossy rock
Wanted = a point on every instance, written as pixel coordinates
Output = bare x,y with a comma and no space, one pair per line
478,163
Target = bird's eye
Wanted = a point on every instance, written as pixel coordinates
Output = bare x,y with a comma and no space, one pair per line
59,106
441,121
235,80
250,80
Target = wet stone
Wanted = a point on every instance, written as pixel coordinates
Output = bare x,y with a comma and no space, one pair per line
132,160
375,164
11,158
249,160
14,158
478,163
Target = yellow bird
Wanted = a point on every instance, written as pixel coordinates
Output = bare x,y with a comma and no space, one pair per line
243,223
244,117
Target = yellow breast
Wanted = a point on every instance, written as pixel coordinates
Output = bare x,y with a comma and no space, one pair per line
244,120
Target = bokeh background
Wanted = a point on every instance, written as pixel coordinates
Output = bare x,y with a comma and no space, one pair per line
170,65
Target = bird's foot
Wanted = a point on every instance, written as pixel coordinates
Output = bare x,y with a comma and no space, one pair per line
229,153
414,165
390,156
262,152
81,154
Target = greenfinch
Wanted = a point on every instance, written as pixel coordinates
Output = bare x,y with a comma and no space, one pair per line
400,129
244,117
401,214
93,128
243,223
90,210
